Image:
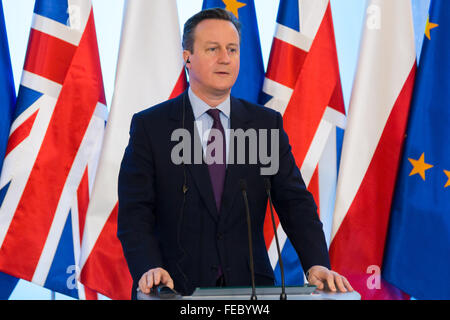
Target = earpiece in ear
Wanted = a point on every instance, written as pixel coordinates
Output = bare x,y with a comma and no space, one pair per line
188,61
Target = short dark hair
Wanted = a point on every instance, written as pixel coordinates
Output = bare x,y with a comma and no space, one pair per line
213,13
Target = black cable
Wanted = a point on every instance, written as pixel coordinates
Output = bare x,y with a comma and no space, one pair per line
184,189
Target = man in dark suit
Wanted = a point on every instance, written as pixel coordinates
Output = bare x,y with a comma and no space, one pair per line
183,223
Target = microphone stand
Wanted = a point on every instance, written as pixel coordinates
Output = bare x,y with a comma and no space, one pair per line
283,295
249,231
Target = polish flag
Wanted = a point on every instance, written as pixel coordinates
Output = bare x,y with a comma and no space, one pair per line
150,70
373,139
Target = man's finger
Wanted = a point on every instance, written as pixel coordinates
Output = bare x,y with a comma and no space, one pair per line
149,279
340,283
157,277
167,280
330,282
142,285
316,282
347,284
170,284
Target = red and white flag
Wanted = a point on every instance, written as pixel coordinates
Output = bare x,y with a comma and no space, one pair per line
372,145
303,84
150,70
53,148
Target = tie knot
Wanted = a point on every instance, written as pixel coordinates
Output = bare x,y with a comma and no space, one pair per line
215,114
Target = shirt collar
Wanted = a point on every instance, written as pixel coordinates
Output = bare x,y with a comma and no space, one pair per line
199,107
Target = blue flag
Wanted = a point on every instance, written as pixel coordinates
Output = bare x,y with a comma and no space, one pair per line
418,249
251,75
7,104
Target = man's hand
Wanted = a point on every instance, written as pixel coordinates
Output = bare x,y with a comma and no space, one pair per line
154,277
323,277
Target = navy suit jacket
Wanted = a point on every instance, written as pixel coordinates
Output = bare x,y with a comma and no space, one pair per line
186,235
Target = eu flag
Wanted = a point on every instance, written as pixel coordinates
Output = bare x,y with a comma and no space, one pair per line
7,104
251,75
418,251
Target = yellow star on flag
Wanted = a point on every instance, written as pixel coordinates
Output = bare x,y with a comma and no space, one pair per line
233,6
428,27
419,166
448,175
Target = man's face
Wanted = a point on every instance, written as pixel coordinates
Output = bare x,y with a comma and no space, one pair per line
214,64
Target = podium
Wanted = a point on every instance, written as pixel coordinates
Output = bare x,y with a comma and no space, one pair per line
305,292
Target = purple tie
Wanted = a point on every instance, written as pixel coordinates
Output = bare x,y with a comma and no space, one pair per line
217,170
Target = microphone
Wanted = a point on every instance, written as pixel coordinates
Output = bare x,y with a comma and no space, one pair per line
283,286
243,185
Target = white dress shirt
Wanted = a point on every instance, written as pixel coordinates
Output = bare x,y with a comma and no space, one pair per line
204,121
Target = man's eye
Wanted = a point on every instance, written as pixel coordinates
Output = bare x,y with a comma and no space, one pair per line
212,49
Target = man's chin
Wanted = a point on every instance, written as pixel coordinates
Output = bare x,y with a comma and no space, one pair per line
221,89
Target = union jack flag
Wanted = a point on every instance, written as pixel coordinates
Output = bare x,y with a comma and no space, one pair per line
303,84
151,77
53,148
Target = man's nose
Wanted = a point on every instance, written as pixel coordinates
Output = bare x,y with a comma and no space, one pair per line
224,56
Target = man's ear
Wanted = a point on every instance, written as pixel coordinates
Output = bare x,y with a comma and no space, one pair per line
186,55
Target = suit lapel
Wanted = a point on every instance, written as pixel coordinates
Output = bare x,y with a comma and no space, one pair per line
199,172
